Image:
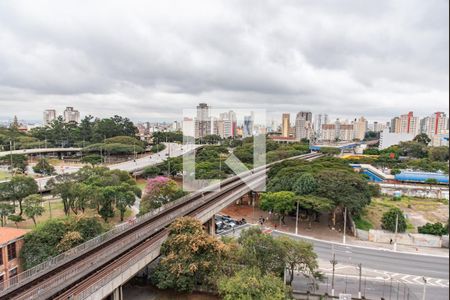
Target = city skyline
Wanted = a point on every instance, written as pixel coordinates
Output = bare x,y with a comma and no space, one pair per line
395,60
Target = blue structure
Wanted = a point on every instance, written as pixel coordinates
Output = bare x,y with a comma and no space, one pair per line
372,176
341,147
412,176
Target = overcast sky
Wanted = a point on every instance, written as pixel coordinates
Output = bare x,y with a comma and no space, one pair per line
150,59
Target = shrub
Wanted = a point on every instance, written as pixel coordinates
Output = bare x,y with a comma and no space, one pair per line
389,219
433,229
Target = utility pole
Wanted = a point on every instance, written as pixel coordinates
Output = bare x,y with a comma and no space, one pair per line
345,225
296,219
11,155
334,262
360,276
396,231
424,296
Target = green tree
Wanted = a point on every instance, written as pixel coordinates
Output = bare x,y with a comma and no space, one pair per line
306,184
438,153
189,257
19,162
40,244
151,172
17,189
44,167
344,188
124,199
93,159
388,220
6,210
314,205
69,240
395,171
250,284
261,251
32,206
422,138
278,202
414,149
16,219
299,256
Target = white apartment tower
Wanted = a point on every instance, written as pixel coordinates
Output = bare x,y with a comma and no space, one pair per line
49,116
71,115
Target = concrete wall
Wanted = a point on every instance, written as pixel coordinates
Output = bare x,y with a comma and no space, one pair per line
362,234
411,239
421,191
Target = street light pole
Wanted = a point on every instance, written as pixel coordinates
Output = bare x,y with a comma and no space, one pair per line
360,275
296,219
345,225
334,262
396,231
424,296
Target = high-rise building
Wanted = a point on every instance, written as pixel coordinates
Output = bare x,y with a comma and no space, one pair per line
303,128
248,126
409,124
229,123
71,115
378,127
438,123
360,128
285,125
341,131
320,120
203,126
395,125
49,116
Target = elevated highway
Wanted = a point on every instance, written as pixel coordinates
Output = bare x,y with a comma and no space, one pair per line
100,266
40,151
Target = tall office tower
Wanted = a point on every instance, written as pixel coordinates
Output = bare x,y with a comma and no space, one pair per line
424,125
285,125
49,116
248,126
203,121
360,128
395,125
303,126
320,120
409,123
71,115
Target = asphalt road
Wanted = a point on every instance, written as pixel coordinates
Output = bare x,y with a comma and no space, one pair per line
171,150
374,289
386,260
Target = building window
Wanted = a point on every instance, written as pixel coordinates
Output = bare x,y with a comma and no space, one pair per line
13,273
1,256
12,251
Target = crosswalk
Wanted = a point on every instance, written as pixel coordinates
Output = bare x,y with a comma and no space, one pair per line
377,275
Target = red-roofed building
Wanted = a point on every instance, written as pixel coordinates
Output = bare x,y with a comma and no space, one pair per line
11,241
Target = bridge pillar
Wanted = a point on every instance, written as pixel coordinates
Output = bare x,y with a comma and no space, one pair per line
211,226
117,294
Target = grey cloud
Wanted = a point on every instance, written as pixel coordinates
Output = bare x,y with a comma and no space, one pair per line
151,59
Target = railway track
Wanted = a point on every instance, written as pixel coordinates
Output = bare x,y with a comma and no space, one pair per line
74,276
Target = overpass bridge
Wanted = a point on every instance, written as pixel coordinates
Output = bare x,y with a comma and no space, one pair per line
99,267
132,166
40,151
